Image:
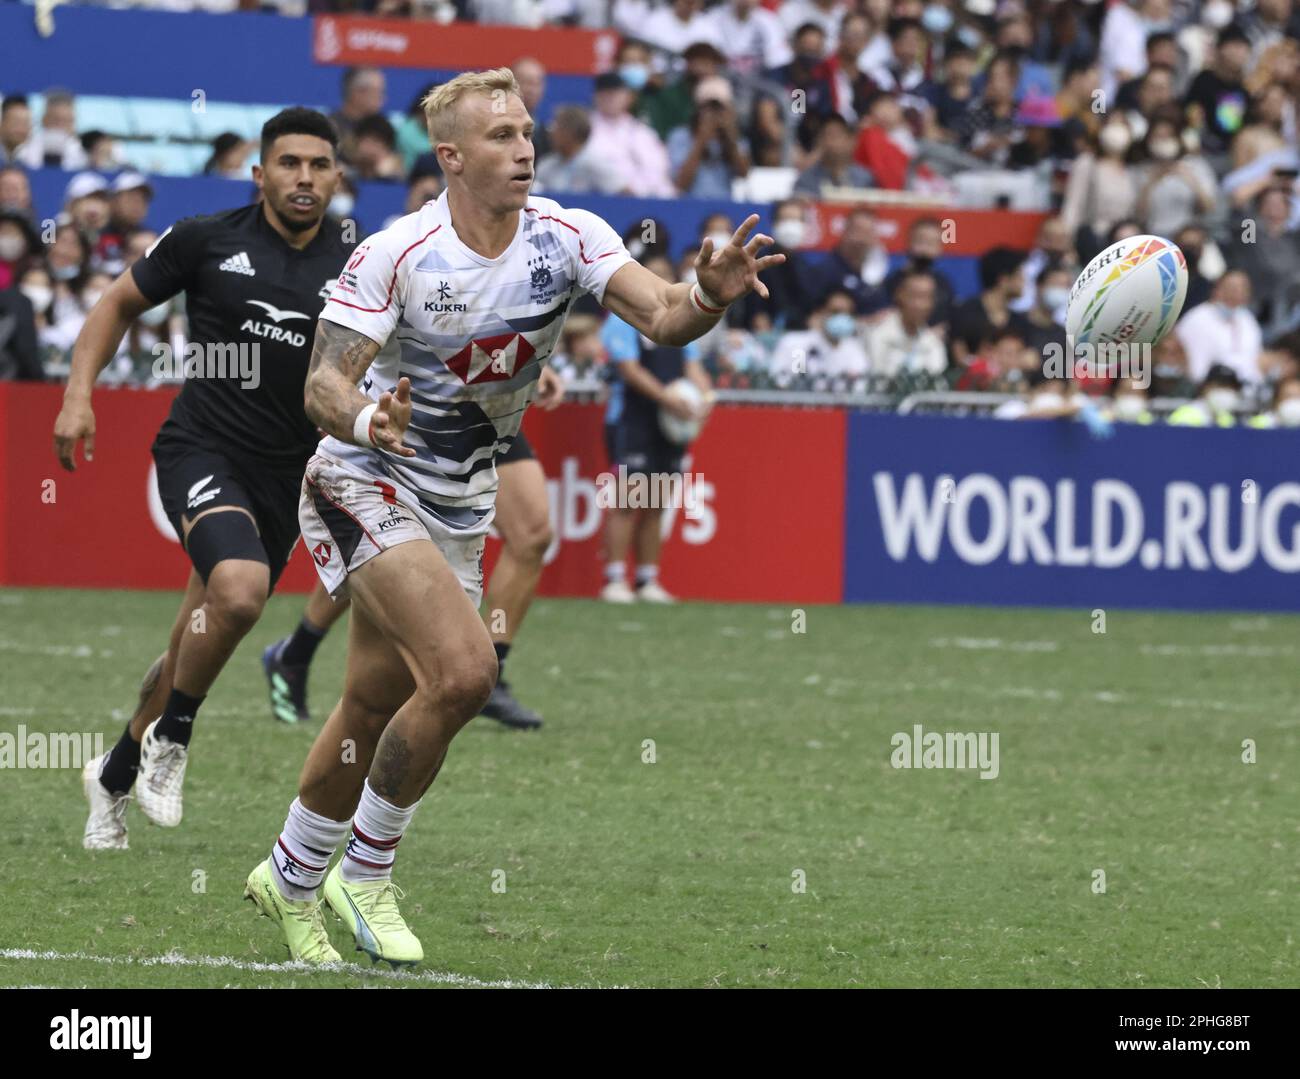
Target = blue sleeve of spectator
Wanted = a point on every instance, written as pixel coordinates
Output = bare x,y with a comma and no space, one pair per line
620,340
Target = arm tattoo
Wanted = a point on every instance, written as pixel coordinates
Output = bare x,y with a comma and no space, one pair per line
339,357
392,766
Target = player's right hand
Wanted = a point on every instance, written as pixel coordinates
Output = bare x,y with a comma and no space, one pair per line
388,424
679,407
75,422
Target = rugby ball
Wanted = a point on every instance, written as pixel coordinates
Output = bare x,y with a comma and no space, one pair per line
1132,293
676,429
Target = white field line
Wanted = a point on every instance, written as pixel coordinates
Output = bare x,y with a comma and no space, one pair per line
225,962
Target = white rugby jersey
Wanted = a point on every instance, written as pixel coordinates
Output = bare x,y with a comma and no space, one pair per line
473,334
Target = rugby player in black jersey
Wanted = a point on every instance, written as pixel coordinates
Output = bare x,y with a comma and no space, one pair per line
230,456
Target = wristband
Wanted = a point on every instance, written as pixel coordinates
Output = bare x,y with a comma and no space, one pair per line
706,303
361,427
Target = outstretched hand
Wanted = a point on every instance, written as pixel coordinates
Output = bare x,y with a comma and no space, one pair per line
732,270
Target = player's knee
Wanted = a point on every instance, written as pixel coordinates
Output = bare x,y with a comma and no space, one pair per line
533,540
465,685
237,603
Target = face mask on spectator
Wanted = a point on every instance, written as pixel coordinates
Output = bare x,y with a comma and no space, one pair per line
40,296
155,316
720,240
1114,138
341,205
1288,412
789,232
1129,406
840,325
1165,149
64,273
91,297
969,36
1217,13
12,248
635,75
1055,298
937,19
1222,399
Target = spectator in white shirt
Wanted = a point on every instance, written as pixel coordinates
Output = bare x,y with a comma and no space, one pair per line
55,143
677,25
572,166
1223,331
631,146
902,342
752,37
832,348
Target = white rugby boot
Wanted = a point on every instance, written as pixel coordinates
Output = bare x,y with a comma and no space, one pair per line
162,773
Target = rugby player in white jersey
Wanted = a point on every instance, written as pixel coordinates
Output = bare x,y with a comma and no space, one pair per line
475,287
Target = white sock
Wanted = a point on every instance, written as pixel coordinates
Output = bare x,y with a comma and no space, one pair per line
615,571
376,830
646,574
302,854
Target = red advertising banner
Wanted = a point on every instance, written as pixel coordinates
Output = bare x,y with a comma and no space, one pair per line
969,232
358,39
768,521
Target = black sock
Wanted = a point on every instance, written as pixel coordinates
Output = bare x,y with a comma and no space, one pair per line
118,774
299,648
502,650
178,717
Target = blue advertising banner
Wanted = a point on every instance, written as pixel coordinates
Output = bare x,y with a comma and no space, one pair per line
1040,513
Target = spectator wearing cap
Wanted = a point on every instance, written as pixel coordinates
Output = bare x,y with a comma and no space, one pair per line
530,73
857,264
16,147
751,37
677,25
851,87
628,144
364,91
835,166
572,166
1223,331
990,128
229,157
130,196
924,248
667,106
706,156
54,144
86,202
903,342
980,318
1217,99
1039,122
15,189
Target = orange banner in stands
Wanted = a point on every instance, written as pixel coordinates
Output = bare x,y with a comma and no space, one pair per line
971,232
355,39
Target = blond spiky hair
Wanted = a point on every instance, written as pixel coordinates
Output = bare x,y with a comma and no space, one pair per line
439,104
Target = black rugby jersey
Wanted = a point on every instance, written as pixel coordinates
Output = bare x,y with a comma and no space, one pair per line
252,303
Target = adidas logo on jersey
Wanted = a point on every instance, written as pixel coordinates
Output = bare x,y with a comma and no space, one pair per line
238,264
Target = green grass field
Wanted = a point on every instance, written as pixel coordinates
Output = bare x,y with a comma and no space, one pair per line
1119,752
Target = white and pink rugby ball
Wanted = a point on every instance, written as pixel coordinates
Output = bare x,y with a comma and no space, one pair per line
1132,293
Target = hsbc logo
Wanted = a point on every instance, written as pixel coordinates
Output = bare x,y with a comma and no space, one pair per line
321,553
492,359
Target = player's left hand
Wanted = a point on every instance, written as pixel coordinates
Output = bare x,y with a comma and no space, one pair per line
730,272
550,389
388,423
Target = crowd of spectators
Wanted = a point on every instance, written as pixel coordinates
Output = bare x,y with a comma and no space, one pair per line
1174,117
